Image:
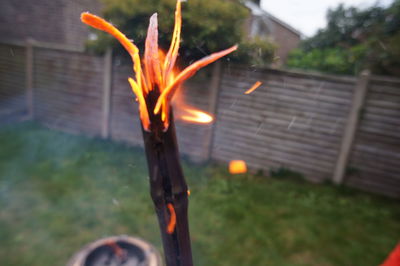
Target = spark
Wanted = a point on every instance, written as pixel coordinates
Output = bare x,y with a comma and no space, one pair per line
292,122
382,45
259,128
233,103
335,126
115,202
310,119
276,58
318,90
254,87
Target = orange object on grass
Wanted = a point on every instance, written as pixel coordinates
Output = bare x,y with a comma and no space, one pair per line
237,167
158,69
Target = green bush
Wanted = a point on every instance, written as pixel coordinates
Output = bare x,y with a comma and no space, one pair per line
256,52
207,26
354,39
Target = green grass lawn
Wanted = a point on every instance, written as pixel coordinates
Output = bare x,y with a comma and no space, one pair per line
59,192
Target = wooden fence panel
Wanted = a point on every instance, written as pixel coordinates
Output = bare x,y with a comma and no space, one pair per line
12,82
68,90
125,123
293,120
374,161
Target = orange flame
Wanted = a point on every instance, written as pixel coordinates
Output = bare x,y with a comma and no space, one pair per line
196,116
237,167
188,113
158,71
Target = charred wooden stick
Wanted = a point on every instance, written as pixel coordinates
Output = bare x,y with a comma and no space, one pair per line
168,186
154,87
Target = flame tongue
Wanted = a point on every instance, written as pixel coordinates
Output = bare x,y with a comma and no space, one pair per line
189,71
158,73
188,113
194,115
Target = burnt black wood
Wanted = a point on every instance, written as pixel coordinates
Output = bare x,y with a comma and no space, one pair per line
167,185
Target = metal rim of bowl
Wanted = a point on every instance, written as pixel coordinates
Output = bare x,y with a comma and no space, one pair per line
152,255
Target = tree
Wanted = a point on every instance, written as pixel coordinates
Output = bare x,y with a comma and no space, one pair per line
353,40
208,26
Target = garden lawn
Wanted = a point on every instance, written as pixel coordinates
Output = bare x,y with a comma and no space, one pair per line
59,192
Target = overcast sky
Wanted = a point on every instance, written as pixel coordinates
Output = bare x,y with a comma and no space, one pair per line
309,15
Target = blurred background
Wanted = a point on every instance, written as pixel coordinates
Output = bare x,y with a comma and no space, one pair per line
319,136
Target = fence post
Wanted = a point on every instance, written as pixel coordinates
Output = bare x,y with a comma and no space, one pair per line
212,107
360,92
29,77
107,76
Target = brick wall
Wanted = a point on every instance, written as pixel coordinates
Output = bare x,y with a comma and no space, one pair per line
46,21
286,40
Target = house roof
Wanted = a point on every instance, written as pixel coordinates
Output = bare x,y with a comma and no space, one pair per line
259,12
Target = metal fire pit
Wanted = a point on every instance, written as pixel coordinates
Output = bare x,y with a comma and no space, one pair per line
117,251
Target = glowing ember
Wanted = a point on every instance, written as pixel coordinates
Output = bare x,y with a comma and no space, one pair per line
172,219
157,75
118,251
237,167
254,87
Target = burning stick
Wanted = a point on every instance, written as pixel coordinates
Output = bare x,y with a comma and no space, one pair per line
154,87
